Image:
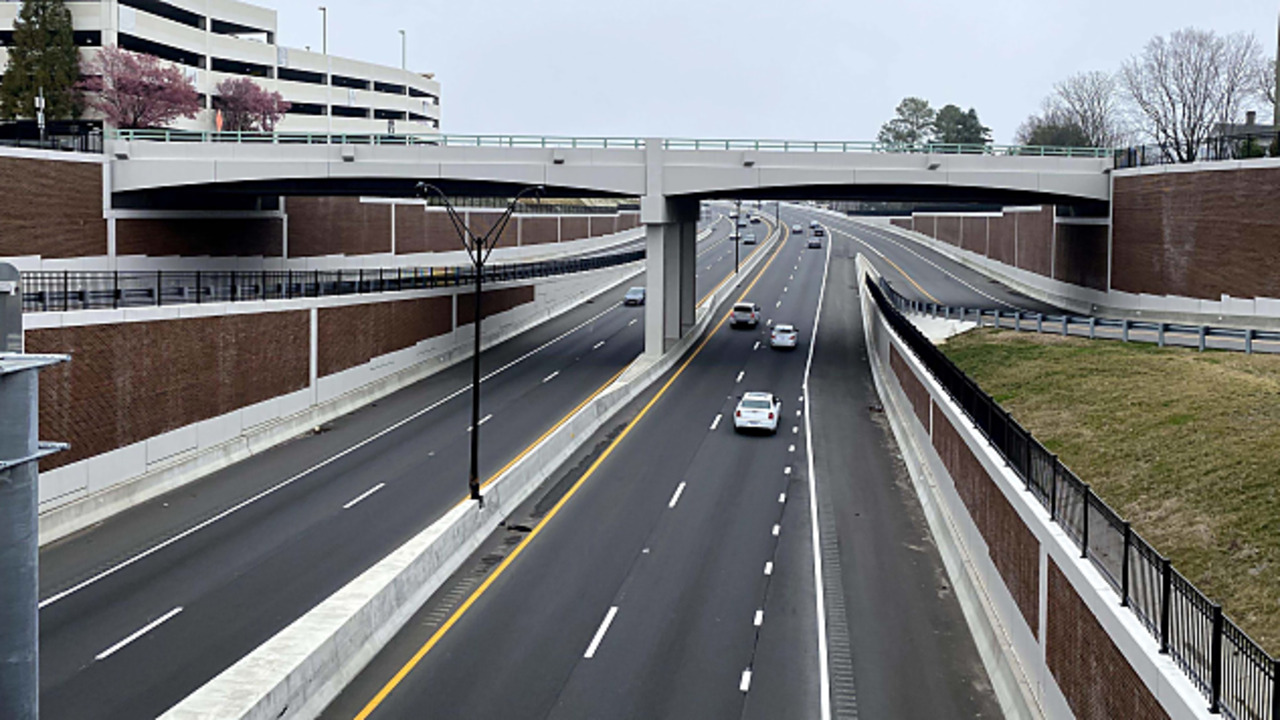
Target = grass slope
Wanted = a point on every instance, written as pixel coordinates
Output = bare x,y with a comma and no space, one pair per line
1184,445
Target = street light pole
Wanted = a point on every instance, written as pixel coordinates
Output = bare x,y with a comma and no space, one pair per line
478,250
404,52
324,30
737,238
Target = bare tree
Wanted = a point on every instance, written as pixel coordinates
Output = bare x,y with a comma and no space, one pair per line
1182,87
1091,101
1265,77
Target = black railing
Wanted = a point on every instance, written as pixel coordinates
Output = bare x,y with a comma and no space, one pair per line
1226,147
1238,678
73,290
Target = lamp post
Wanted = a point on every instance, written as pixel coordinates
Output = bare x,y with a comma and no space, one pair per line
478,250
737,237
404,52
324,30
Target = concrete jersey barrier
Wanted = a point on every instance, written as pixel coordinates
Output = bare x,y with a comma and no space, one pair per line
300,670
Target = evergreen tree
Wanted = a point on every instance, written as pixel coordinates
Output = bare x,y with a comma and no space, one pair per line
43,54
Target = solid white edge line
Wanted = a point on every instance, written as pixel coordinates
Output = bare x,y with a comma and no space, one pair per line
550,377
289,481
824,676
137,634
363,495
745,683
604,628
716,423
675,497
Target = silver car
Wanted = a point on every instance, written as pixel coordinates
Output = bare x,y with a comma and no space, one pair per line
758,411
784,336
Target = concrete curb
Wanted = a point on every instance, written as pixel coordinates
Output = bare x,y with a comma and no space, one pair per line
299,671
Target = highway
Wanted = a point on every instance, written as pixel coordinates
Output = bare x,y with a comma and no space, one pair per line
139,611
673,570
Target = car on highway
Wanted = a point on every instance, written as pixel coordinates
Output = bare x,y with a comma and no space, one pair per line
796,229
634,296
758,411
784,335
814,224
819,231
755,219
733,216
745,314
815,242
749,239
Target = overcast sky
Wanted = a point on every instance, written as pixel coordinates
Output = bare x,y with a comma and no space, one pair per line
790,69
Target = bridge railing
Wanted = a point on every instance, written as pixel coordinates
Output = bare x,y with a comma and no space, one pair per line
1234,673
604,142
73,290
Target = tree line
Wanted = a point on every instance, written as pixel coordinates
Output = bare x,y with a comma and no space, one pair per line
1180,92
128,89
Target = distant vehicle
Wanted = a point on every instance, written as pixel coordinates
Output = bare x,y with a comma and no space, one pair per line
784,336
819,231
741,224
796,229
758,410
813,223
755,219
815,242
749,239
745,313
634,296
733,216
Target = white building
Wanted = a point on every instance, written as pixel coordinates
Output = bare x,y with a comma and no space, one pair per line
219,39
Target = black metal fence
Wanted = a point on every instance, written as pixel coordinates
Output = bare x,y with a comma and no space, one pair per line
1226,147
73,290
1238,678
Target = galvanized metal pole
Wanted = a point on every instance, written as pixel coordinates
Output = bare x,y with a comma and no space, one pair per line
19,528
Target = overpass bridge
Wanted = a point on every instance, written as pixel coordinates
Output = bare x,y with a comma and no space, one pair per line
670,176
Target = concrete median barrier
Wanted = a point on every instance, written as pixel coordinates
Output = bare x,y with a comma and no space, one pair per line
299,671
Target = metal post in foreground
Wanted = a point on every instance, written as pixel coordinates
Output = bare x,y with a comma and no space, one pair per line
19,529
737,239
478,250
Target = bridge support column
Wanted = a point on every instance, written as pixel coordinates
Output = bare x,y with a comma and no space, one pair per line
671,257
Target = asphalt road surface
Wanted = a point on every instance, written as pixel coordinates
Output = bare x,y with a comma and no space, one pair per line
141,610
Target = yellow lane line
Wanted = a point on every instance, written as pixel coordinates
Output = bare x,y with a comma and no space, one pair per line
408,667
894,264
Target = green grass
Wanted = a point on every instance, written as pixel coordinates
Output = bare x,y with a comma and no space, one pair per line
1184,445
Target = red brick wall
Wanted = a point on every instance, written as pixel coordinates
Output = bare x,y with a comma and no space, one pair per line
1035,241
483,222
1198,234
495,301
927,225
911,385
1098,682
337,226
628,220
218,237
904,223
130,381
948,230
598,226
973,234
418,231
51,208
353,334
1081,255
573,228
1002,238
1013,548
539,230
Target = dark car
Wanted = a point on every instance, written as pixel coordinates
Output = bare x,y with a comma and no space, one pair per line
634,296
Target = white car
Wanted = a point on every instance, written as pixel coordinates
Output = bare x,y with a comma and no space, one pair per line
784,336
814,223
745,314
797,229
758,411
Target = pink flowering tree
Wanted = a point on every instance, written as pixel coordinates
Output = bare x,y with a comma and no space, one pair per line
133,90
245,105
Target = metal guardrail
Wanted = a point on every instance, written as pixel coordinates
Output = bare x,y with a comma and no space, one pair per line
71,290
1159,333
603,142
1226,147
1237,677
